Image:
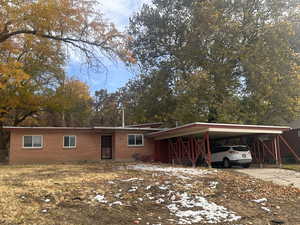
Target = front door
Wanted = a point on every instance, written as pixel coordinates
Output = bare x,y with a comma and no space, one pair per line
106,147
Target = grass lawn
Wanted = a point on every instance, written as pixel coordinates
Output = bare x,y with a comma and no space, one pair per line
295,167
117,193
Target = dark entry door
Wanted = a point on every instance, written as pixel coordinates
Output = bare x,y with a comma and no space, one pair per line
106,147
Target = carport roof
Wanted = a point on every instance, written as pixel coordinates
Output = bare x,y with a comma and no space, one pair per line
217,130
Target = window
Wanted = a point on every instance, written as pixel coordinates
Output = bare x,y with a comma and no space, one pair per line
69,141
135,140
33,141
220,149
241,148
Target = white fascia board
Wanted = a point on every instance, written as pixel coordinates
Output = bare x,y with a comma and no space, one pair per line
85,128
243,125
246,131
50,128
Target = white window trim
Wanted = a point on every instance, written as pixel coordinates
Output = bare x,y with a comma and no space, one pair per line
69,147
42,141
135,145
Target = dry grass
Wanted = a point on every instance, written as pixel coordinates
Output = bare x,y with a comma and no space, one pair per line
23,189
63,194
295,167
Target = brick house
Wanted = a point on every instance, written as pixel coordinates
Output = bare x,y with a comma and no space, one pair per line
188,142
58,144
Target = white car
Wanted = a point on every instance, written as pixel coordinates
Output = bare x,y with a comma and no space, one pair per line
231,155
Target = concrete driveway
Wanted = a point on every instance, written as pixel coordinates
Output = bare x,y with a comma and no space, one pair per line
277,176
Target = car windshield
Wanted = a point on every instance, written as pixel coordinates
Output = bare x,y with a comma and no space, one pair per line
241,148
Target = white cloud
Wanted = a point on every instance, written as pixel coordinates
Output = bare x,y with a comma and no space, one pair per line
119,11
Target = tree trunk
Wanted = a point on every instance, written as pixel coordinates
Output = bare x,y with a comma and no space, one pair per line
4,143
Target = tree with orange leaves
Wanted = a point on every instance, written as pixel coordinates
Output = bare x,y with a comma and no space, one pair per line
36,39
37,36
77,24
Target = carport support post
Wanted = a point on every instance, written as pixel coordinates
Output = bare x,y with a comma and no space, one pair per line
279,152
275,148
260,156
208,150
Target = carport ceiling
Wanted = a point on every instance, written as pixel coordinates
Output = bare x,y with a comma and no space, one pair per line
216,130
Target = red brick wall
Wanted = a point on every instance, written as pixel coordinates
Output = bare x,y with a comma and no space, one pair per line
87,147
125,152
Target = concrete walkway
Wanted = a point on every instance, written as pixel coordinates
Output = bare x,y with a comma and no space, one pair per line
277,176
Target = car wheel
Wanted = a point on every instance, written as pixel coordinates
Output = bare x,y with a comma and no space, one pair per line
246,165
226,163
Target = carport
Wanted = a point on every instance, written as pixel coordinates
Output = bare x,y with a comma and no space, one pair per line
193,142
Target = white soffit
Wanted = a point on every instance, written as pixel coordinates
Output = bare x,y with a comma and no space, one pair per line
217,132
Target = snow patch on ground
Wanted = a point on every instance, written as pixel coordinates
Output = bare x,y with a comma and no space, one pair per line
260,200
176,171
159,201
100,198
266,209
133,189
188,185
133,179
116,203
197,209
118,195
184,207
213,184
163,187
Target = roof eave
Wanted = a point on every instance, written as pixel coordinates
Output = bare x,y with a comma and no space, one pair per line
210,126
82,128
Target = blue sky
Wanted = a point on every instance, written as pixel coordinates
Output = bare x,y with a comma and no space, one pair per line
116,74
